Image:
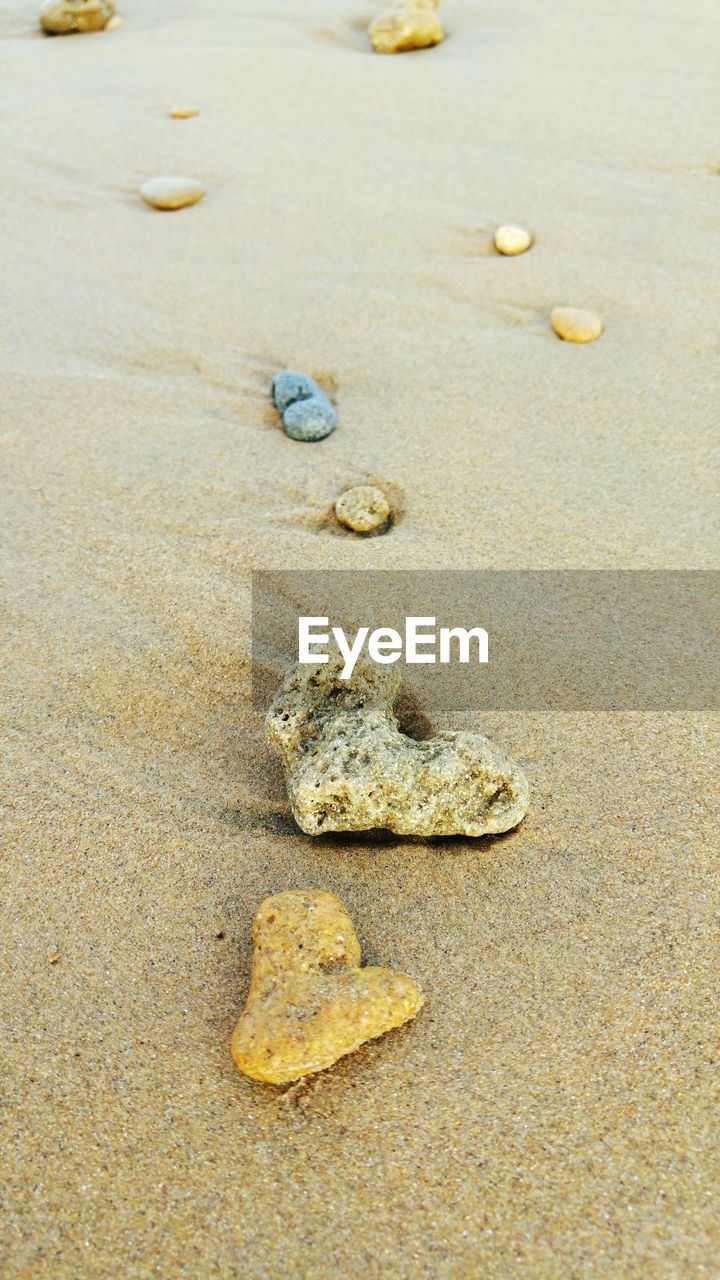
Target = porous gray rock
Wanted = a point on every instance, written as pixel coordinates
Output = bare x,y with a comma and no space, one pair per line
348,767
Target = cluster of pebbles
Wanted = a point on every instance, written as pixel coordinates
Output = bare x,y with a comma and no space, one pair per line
347,764
307,412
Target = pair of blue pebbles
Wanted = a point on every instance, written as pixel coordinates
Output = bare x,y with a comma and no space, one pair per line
307,412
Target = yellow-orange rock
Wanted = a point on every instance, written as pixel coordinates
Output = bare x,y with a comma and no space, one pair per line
410,24
363,508
575,325
65,17
309,1001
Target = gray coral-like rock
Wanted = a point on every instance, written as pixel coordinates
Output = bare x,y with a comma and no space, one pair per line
348,767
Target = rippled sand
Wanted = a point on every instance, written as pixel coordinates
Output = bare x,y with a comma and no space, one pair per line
548,1114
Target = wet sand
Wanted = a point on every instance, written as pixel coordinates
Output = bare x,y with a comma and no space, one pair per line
550,1112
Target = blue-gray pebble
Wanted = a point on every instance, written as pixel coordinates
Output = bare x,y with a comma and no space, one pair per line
306,410
289,386
311,419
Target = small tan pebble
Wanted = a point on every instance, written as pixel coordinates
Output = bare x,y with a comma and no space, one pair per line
182,113
309,1001
65,17
172,192
363,508
575,325
512,240
53,955
410,24
114,23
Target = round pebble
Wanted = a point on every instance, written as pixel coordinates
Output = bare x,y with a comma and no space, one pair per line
182,113
65,17
575,325
512,240
363,508
310,419
289,386
172,192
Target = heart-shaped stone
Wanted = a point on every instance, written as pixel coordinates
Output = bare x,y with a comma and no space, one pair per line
309,1002
349,767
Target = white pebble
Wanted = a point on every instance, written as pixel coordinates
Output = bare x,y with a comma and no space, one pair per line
574,325
172,192
512,240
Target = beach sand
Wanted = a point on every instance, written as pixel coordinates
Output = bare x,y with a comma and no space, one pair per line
550,1112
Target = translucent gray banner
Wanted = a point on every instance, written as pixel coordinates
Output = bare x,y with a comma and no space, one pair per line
631,640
